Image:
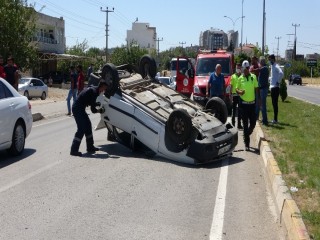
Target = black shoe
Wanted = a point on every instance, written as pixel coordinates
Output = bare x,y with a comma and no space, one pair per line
247,148
77,154
92,149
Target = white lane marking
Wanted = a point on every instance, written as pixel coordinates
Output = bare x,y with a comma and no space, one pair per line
28,176
216,231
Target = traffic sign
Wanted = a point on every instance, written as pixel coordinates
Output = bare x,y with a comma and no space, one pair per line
311,62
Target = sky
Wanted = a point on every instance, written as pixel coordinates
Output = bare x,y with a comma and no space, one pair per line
178,21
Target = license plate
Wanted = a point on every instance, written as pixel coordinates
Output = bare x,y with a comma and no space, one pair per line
224,149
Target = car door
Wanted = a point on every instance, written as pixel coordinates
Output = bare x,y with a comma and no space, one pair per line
39,87
6,119
32,88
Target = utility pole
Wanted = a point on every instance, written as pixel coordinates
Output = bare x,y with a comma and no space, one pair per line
295,41
159,40
278,38
242,26
107,11
263,27
182,43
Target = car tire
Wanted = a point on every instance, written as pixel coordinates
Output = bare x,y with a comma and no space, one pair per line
43,96
18,139
147,66
218,108
111,76
26,94
179,127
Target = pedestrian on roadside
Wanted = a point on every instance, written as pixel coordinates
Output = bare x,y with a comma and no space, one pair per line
247,89
235,97
86,98
80,81
216,84
11,73
255,68
50,81
275,80
263,91
89,71
73,88
2,73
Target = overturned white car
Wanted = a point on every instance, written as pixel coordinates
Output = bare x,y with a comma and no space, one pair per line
139,110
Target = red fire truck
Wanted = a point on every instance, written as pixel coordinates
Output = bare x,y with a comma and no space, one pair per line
205,64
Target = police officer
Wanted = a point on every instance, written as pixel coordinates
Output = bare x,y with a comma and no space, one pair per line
86,98
235,97
247,88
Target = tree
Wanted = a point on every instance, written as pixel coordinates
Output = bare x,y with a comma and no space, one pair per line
17,28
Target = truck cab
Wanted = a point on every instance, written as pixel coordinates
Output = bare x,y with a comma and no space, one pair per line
205,65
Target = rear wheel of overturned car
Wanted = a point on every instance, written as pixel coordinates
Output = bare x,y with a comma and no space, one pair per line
147,66
111,76
179,128
218,108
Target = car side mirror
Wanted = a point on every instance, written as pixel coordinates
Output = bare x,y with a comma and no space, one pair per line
31,84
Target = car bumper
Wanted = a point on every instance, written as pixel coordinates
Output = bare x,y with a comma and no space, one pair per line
213,148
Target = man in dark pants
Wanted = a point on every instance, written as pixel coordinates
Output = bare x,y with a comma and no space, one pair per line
86,98
275,80
247,88
235,97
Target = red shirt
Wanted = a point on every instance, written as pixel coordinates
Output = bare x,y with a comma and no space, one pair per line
80,82
255,69
2,73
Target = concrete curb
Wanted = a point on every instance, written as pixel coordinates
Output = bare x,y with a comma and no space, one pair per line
287,209
37,116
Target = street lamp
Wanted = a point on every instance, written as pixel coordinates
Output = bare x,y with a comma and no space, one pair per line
233,21
242,24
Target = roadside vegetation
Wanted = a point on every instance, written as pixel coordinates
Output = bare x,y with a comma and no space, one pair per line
295,144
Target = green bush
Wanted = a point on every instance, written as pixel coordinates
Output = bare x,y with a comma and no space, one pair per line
283,90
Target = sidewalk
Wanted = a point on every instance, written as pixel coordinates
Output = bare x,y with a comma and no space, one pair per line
48,109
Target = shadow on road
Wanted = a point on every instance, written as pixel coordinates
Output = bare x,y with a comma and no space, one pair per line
6,159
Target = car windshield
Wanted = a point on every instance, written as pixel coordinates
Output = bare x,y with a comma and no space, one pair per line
205,66
23,80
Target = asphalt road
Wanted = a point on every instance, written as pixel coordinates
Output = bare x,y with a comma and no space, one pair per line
118,194
306,93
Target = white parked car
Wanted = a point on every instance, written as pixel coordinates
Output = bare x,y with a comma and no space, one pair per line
140,111
33,88
15,119
167,81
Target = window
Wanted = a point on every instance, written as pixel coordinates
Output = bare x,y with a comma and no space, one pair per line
4,91
205,66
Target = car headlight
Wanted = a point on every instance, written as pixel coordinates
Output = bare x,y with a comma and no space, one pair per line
196,89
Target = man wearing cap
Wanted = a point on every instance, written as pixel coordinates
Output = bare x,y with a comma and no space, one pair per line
247,88
235,97
275,80
86,98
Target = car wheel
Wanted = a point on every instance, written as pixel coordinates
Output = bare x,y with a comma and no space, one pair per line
147,66
111,76
18,139
43,96
218,108
26,94
179,127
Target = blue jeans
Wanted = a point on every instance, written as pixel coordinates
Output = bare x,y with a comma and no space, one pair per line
263,101
72,94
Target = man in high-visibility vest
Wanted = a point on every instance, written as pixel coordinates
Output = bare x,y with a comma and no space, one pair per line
235,97
247,88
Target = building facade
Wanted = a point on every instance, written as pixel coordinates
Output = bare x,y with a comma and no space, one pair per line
50,34
143,35
213,39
